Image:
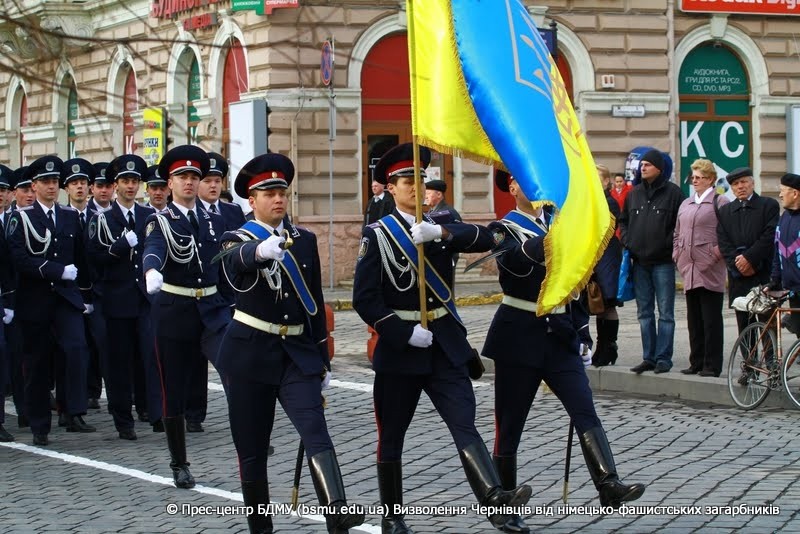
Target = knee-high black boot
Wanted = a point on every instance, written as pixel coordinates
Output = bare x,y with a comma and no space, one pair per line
600,462
257,493
176,442
390,486
612,331
328,483
599,357
507,470
485,482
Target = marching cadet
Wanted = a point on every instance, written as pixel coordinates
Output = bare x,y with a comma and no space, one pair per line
23,192
102,190
189,314
76,178
408,358
277,345
156,189
49,256
7,287
556,353
116,240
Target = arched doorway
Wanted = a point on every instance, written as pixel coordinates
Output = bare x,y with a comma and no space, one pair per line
386,111
715,120
234,83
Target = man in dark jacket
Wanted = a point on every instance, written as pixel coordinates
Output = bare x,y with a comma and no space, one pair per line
380,205
786,265
746,235
647,223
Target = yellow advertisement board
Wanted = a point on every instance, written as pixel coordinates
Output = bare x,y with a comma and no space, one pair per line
154,137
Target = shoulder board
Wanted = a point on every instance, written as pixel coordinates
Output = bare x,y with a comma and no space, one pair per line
26,208
71,208
373,225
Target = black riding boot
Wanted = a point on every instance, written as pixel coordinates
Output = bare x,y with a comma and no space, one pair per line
390,487
257,493
485,482
176,442
600,462
507,470
330,491
612,331
599,357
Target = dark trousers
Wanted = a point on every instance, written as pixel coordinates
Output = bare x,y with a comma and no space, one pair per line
704,321
197,399
515,388
5,371
13,338
130,339
64,337
97,342
251,410
396,398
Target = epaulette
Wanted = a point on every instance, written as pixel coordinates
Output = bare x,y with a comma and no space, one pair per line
25,208
373,225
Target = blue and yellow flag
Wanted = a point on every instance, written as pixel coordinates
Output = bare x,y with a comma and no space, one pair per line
483,86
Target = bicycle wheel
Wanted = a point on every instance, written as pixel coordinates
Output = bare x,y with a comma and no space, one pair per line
748,367
791,374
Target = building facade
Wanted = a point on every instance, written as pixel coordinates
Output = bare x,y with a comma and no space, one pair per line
640,73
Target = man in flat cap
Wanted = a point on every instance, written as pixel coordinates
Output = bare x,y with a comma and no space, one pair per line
746,235
411,358
188,311
48,253
276,347
434,198
646,224
786,263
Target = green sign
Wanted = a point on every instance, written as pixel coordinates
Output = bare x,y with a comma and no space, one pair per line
712,70
193,94
247,5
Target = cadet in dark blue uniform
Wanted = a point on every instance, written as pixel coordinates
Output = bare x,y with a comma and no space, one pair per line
409,359
116,241
277,345
49,256
556,353
156,189
7,289
188,311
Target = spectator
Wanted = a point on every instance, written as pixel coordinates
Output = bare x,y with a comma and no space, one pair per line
786,266
621,189
379,205
746,234
647,223
606,273
434,198
702,267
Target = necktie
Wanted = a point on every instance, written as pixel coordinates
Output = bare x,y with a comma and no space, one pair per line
51,219
82,217
213,208
744,203
131,223
193,220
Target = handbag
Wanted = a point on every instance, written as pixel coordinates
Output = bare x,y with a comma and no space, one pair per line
594,298
625,291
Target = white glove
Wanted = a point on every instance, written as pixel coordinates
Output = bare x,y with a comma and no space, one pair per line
70,272
586,355
326,379
8,315
270,249
420,337
130,236
422,232
89,308
154,280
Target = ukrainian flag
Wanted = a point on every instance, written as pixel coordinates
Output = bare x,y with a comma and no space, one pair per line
483,86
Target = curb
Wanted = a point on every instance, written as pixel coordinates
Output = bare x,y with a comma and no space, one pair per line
471,300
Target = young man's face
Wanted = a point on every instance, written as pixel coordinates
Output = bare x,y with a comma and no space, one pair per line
210,188
46,189
158,195
404,192
269,206
24,196
78,190
184,186
103,193
127,188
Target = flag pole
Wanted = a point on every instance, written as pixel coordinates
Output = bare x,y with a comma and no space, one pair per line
423,308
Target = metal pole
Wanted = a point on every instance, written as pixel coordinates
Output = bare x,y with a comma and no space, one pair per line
331,139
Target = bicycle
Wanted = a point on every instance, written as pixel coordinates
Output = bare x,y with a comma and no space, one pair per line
757,364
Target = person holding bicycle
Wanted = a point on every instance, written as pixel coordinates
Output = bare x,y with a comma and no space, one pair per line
786,265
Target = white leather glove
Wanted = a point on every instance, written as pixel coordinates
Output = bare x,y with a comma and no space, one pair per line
586,355
154,280
70,272
8,315
270,249
420,337
326,379
130,236
422,232
88,308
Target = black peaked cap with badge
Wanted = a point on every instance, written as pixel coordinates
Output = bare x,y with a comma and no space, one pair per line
217,164
399,162
153,178
21,177
77,169
45,167
6,177
126,166
100,172
737,173
184,158
267,171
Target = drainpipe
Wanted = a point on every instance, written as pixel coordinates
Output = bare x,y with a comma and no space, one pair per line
674,104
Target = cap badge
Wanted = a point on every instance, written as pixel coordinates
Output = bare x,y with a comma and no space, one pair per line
130,166
76,168
50,166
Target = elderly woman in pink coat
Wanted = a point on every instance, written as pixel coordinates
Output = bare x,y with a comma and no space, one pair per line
696,253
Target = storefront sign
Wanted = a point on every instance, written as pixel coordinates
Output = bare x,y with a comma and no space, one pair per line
742,7
269,5
199,22
154,135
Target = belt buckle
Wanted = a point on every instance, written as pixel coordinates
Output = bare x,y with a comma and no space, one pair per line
430,315
199,293
283,330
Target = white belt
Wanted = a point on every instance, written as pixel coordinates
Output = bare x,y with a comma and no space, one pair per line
528,305
410,315
196,292
264,326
